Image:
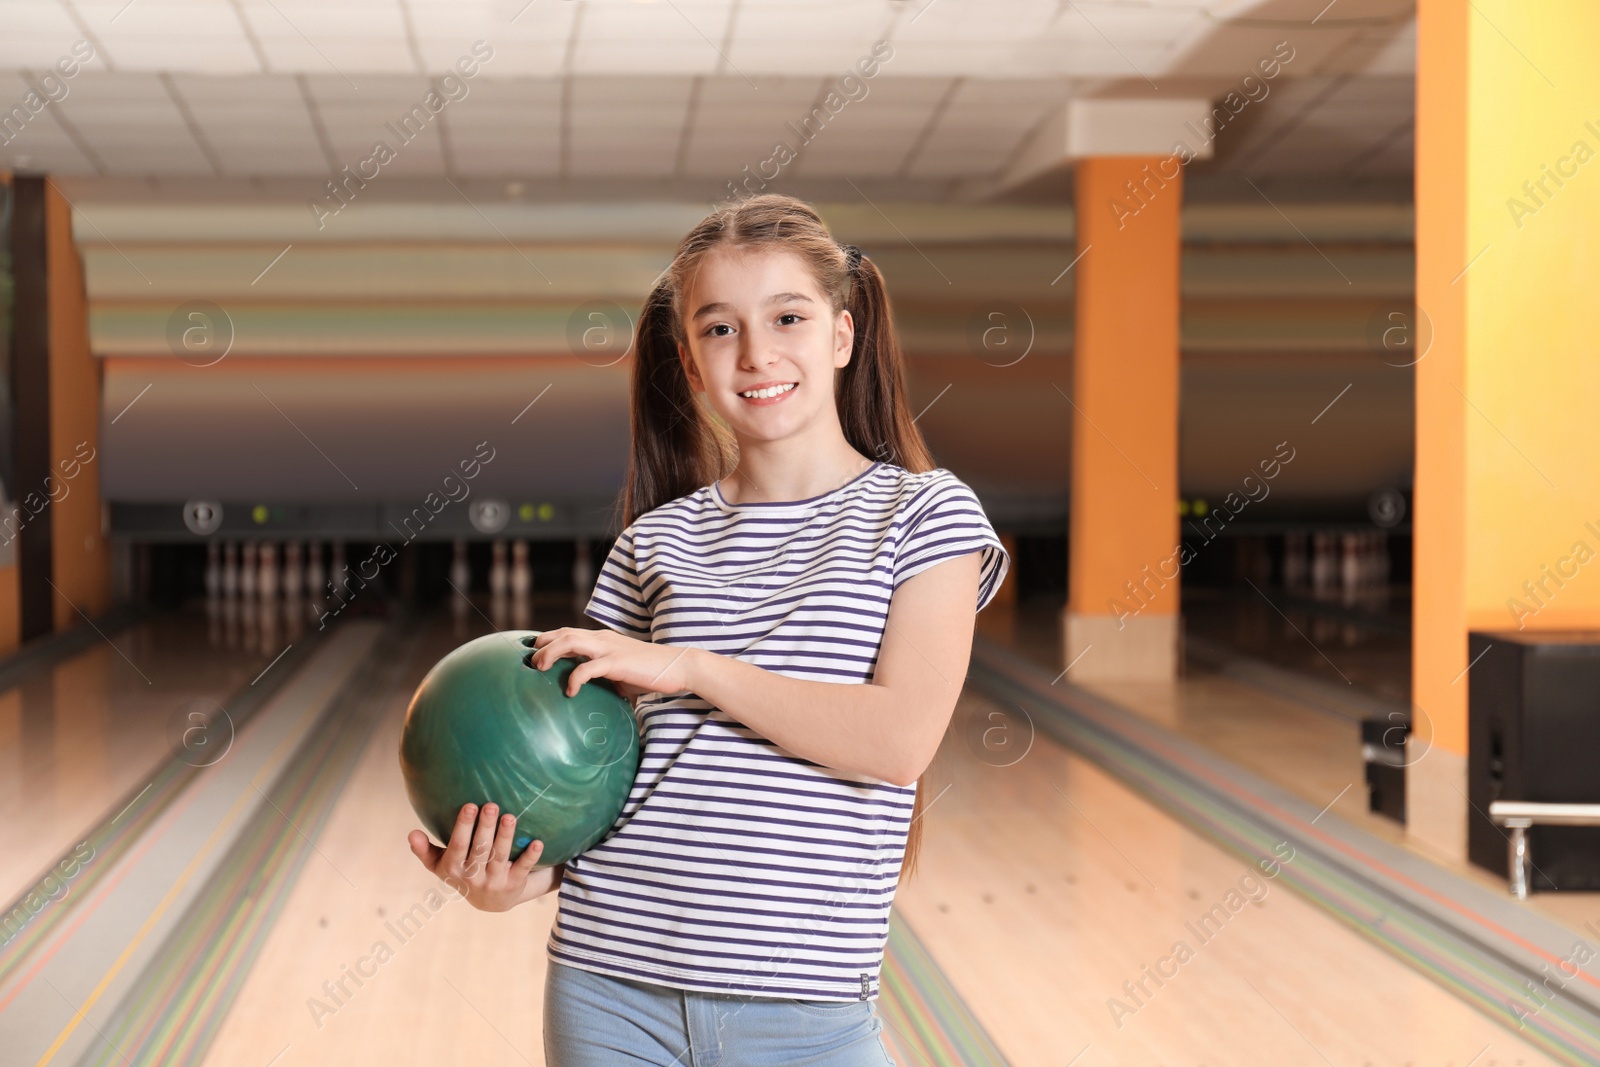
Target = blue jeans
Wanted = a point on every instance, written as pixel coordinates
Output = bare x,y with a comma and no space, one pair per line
594,1020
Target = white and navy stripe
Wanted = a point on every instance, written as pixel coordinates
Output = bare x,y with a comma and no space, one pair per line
737,866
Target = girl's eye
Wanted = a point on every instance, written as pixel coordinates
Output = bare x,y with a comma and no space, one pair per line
712,332
790,315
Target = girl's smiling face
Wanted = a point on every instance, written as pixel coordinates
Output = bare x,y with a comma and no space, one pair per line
764,342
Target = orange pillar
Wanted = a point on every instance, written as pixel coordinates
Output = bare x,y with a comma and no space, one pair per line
81,555
1437,784
54,558
1123,567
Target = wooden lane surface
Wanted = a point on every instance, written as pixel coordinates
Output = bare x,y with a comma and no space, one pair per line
1045,886
84,734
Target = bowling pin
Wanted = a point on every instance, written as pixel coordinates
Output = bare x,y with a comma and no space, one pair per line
460,587
213,570
230,593
499,581
521,587
267,577
521,570
315,576
460,569
338,577
268,595
1294,560
1322,574
293,589
248,572
293,571
213,593
1350,565
499,575
230,570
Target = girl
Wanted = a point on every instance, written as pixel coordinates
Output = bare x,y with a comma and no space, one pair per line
791,604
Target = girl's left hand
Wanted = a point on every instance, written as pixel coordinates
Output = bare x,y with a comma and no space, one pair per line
636,667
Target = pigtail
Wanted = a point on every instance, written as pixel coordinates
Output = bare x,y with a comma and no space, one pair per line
675,447
874,410
875,414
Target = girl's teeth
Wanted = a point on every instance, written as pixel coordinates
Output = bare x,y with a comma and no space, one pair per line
762,394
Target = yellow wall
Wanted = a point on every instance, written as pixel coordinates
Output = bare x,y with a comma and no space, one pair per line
81,553
1533,356
1508,398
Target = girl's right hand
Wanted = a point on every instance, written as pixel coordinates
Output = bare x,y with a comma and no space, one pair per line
477,861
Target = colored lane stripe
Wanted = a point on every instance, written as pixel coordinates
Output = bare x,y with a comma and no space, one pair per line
210,844
926,1020
1470,962
126,830
183,995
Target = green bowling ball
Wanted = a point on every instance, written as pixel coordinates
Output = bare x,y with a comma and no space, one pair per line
486,727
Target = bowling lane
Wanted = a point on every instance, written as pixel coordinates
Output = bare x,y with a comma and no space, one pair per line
1045,886
1074,917
1308,751
1304,749
449,984
79,738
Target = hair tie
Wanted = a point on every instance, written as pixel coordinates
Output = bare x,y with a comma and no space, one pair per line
852,258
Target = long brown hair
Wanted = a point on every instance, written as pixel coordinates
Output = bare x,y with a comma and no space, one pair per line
678,447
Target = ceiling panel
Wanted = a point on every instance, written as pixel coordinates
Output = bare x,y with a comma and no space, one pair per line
171,154
678,37
935,164
356,59
805,38
40,143
324,22
723,83
509,59
143,24
630,91
503,95
946,20
44,22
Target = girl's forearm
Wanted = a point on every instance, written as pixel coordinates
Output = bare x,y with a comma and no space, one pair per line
859,728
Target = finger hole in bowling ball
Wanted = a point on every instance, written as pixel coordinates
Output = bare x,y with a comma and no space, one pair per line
527,661
528,642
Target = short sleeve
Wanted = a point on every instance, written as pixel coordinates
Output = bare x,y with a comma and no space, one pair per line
944,520
618,600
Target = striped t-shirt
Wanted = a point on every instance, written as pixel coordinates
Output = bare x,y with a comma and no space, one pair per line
737,866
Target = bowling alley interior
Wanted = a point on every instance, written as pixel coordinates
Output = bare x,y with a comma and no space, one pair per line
1260,330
